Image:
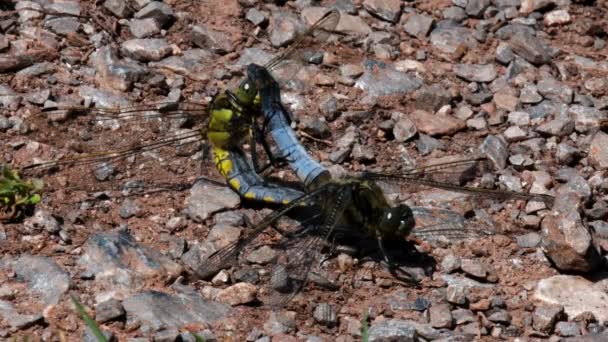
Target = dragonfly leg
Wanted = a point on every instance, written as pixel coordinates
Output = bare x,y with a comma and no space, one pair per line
258,136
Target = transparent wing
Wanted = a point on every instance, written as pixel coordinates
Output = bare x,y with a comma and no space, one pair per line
96,149
319,32
451,176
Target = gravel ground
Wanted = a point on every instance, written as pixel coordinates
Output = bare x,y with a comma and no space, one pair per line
522,82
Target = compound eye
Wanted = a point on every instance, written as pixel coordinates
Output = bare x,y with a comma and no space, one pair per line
246,86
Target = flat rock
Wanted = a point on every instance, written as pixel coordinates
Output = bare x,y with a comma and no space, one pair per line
530,48
418,25
598,150
143,28
103,98
12,317
389,10
380,79
238,294
45,279
575,294
155,310
206,198
449,39
204,37
476,72
435,125
191,63
115,73
117,259
145,50
566,241
495,148
392,330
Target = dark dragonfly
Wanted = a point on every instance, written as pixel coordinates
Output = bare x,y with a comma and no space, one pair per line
140,145
356,205
347,206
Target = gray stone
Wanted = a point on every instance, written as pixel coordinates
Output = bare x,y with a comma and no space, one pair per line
508,31
495,149
504,54
418,25
567,154
552,89
436,125
586,119
529,6
598,150
145,50
143,28
474,267
566,241
380,79
157,10
389,10
325,314
560,127
63,26
500,316
109,310
166,335
476,72
114,73
454,13
463,316
478,123
529,240
475,8
238,294
456,294
449,39
426,144
404,128
431,98
223,234
568,329
257,17
514,133
206,198
155,310
440,316
118,260
12,317
119,8
545,317
45,279
529,94
450,263
261,256
284,29
41,220
281,322
392,330
129,208
315,127
204,37
530,48
191,63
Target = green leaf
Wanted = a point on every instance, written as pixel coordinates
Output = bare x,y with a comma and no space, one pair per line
365,327
197,338
88,320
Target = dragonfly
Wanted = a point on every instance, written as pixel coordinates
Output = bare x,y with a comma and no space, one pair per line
350,206
139,144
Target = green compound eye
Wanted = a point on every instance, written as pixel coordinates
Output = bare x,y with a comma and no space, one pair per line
246,93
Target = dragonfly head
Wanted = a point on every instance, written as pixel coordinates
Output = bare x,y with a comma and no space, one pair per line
397,221
247,93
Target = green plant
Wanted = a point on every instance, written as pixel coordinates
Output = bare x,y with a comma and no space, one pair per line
16,194
89,321
365,326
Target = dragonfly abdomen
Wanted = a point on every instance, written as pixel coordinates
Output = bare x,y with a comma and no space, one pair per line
240,176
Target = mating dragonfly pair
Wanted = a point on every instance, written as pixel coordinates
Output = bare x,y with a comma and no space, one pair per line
165,141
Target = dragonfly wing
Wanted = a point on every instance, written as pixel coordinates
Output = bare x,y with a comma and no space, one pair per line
318,32
93,149
453,176
436,224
